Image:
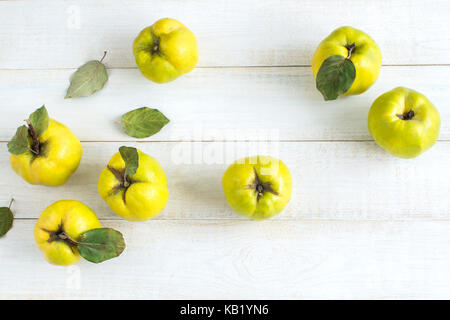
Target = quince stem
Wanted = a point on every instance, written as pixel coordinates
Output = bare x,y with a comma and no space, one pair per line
60,234
35,148
261,187
155,45
124,182
10,203
350,48
65,237
407,115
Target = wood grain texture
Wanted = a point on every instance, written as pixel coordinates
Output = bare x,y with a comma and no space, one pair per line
361,223
242,260
332,181
215,104
66,34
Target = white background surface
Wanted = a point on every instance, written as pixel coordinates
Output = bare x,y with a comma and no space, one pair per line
361,224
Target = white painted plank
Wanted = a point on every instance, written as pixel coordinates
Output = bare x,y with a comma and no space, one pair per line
242,260
215,104
65,34
334,181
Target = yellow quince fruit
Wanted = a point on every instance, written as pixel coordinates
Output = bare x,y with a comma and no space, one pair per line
45,152
257,187
404,122
60,226
165,50
134,185
349,62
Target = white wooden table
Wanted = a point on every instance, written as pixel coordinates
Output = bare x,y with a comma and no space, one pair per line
361,223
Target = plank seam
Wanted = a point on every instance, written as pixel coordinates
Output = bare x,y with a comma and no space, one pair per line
225,67
227,141
271,220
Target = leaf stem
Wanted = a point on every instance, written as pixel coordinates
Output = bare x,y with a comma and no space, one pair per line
104,55
10,203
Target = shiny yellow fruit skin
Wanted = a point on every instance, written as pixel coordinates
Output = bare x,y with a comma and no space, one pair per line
145,198
243,199
366,56
176,50
75,218
60,156
404,138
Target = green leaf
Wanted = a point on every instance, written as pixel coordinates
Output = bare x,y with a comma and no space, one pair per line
19,143
131,158
335,77
89,78
143,122
6,220
40,120
98,245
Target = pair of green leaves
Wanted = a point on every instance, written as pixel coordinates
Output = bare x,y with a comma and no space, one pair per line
92,77
336,75
98,245
143,122
89,78
26,137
